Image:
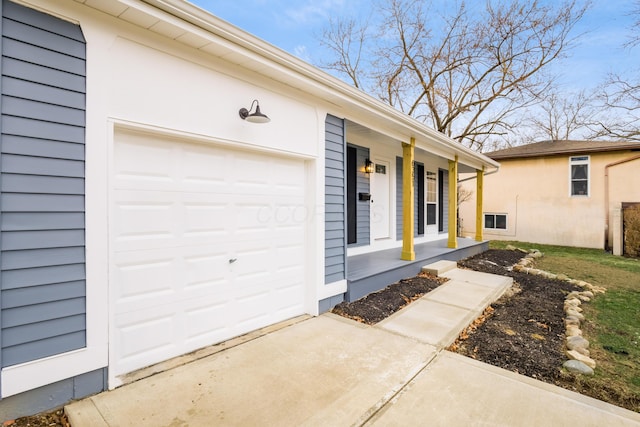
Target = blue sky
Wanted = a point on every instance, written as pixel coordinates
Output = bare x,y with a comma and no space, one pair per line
294,25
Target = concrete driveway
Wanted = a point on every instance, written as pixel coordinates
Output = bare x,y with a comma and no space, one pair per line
330,371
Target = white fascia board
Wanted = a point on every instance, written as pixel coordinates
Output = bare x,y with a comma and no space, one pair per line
299,74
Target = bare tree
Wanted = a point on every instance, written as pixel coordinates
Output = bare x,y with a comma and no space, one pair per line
621,95
621,98
558,117
345,39
463,71
464,195
634,39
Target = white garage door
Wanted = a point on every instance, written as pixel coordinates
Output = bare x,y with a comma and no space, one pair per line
207,243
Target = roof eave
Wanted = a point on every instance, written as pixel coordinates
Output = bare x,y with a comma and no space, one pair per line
319,82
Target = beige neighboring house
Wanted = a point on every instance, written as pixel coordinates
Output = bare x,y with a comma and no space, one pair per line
557,192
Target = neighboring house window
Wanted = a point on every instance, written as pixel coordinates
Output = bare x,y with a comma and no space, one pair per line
579,176
495,221
432,197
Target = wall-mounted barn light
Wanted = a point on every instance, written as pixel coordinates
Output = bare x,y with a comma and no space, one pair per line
256,117
368,166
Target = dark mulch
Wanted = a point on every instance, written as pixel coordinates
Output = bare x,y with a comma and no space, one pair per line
525,331
379,305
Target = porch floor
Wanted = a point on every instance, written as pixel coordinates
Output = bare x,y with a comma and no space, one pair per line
371,272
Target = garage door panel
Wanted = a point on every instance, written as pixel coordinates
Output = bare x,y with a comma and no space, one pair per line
144,219
145,279
144,162
199,326
145,334
140,159
206,219
207,269
159,277
207,243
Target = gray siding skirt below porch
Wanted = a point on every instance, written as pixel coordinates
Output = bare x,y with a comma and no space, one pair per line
371,272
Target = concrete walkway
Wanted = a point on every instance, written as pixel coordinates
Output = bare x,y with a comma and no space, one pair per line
329,370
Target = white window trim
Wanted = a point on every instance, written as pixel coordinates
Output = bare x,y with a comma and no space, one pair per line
580,162
427,202
506,220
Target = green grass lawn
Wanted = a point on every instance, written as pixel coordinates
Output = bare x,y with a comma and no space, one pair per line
613,318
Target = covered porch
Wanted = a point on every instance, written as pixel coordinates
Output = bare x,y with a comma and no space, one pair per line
373,271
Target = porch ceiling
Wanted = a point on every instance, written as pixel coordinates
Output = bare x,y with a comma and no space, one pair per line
366,133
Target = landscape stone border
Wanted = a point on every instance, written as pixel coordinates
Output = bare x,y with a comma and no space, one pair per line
577,347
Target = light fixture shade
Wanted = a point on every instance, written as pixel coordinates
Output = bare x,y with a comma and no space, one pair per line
256,117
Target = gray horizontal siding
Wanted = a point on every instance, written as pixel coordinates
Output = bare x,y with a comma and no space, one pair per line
47,89
27,33
33,221
42,184
12,144
12,241
26,202
32,165
15,260
27,315
42,348
42,170
42,56
42,111
334,201
20,297
16,336
42,275
39,129
43,21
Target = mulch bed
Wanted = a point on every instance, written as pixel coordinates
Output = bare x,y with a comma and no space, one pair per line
525,331
379,305
522,332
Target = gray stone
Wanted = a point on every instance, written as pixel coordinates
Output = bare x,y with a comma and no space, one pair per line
575,342
582,358
577,367
535,254
587,294
584,298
